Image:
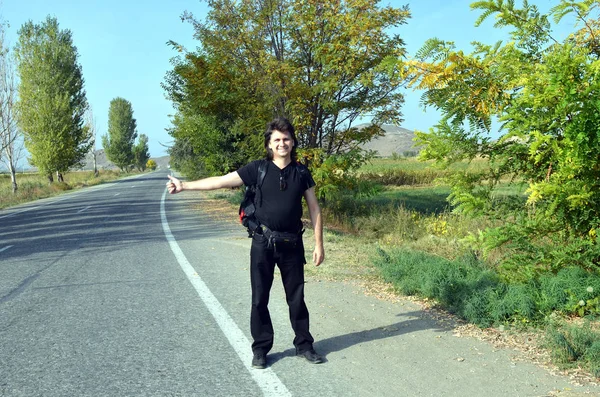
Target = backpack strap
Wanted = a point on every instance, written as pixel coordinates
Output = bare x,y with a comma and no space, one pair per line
304,172
262,172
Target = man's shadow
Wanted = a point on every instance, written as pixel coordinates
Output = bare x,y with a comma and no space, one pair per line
415,322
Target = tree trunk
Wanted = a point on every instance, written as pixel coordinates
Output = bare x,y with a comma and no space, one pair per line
95,165
13,178
59,177
50,178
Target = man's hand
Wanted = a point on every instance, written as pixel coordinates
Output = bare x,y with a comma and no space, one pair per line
318,255
174,185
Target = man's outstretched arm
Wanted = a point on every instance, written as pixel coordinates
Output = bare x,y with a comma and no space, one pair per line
174,185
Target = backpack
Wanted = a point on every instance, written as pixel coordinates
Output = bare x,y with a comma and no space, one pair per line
248,205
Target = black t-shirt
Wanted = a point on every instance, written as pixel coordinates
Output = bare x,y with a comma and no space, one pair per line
280,210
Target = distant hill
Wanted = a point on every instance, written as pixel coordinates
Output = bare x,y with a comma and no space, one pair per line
396,140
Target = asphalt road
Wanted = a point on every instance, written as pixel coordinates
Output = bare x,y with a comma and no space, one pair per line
120,290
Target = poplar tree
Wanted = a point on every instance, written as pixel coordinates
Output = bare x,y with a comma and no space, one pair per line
118,143
52,99
141,155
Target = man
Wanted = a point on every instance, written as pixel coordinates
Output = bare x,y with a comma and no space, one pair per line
278,210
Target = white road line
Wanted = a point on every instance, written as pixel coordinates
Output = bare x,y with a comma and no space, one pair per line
266,379
116,194
83,209
5,248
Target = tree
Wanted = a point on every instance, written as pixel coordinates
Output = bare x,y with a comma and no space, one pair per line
118,144
52,99
324,65
141,153
545,94
183,158
11,144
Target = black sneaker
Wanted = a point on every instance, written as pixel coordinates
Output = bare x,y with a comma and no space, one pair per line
311,356
259,361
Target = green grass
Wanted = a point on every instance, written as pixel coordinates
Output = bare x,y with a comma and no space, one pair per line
410,171
405,164
573,345
378,165
426,200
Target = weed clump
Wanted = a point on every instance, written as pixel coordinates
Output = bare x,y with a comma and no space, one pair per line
572,345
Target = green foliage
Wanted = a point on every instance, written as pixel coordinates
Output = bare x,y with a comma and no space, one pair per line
140,153
545,94
572,291
205,146
531,247
321,64
184,159
118,143
336,175
52,100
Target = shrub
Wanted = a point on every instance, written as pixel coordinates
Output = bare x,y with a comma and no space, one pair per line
527,249
574,344
60,186
592,357
467,287
463,286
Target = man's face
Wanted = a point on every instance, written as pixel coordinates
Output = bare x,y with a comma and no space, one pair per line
281,144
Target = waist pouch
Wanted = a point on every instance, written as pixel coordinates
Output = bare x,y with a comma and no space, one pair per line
280,241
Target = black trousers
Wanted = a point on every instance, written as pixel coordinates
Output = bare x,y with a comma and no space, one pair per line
262,267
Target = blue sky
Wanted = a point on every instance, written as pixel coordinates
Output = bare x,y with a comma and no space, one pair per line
123,51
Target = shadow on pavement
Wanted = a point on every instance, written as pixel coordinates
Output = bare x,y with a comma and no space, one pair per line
100,226
342,342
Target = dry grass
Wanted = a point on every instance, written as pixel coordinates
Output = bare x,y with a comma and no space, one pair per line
32,186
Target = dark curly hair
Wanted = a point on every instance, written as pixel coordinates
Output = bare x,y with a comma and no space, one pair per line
280,124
